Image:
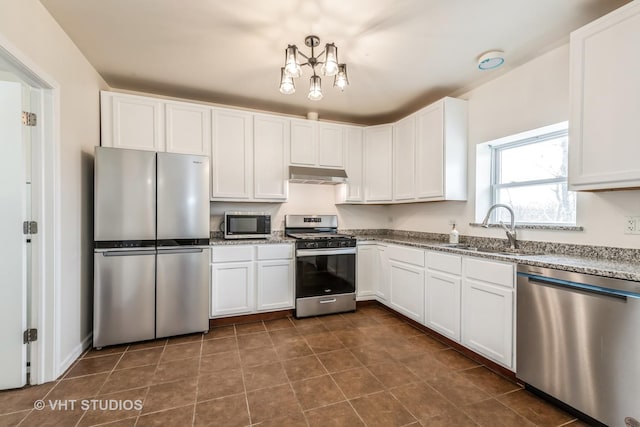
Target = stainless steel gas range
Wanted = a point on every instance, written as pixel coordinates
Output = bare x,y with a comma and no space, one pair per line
325,265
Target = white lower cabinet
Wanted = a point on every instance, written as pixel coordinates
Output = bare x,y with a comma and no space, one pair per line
466,299
406,281
367,271
232,288
274,282
407,289
247,279
442,296
487,309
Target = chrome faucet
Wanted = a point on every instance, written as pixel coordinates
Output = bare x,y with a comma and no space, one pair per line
511,231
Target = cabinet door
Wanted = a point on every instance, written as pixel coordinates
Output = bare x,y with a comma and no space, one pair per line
378,163
382,288
354,163
487,320
604,103
367,271
232,288
130,121
231,155
430,152
275,284
304,143
407,289
270,145
330,146
404,159
188,128
442,303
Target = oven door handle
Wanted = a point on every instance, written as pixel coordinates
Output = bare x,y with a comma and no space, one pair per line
316,252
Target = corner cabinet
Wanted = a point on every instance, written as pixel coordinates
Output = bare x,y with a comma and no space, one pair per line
604,102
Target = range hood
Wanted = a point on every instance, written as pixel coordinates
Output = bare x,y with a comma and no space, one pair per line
299,174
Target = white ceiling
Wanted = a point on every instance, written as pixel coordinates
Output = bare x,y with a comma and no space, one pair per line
401,54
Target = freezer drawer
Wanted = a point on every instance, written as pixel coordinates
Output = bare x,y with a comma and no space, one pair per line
182,299
124,296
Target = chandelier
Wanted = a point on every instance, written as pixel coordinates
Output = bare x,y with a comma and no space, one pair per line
329,67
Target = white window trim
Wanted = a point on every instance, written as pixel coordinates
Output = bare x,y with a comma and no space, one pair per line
486,187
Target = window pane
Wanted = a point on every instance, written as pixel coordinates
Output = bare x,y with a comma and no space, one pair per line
546,203
540,160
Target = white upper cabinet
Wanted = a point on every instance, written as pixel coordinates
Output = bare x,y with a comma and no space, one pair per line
187,128
270,147
404,159
304,142
232,155
353,190
378,155
130,121
604,104
441,151
316,144
331,145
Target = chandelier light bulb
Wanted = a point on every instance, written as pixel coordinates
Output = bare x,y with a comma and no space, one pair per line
291,62
286,83
315,90
330,66
341,81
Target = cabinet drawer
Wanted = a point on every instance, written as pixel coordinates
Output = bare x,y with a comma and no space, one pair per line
275,251
490,271
407,255
230,253
444,262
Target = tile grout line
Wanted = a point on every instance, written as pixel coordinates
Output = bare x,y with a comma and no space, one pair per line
195,402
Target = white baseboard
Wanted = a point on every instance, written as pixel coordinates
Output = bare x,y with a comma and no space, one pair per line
75,353
366,296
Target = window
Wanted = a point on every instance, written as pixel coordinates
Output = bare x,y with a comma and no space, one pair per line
529,173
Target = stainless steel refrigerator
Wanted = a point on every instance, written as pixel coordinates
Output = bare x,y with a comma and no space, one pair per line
151,236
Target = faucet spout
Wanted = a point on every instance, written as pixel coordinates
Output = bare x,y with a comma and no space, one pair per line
510,231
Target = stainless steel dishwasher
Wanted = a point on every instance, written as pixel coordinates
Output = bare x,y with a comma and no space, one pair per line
578,340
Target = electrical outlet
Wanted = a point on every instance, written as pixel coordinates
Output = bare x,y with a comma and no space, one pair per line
632,225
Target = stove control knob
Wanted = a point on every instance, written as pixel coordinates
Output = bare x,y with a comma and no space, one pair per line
311,244
332,244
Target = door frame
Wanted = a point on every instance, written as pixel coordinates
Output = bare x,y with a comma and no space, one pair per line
46,202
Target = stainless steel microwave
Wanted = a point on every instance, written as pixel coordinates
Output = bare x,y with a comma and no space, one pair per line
247,225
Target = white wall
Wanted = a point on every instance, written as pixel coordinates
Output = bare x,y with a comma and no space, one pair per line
533,95
309,199
27,25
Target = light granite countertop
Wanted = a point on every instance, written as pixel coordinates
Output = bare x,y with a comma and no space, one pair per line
626,270
607,262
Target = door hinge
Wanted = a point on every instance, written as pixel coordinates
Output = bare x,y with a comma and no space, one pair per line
29,227
30,335
29,119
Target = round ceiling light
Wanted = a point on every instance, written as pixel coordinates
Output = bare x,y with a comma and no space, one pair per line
491,60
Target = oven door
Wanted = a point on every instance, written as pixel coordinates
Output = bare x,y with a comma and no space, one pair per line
322,272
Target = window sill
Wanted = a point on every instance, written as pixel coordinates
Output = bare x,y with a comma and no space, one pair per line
555,227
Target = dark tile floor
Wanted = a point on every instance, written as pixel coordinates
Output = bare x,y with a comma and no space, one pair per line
367,368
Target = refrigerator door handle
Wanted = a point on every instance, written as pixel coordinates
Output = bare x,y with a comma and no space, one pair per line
128,253
180,251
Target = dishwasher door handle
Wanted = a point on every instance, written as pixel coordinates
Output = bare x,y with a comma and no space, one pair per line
578,287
